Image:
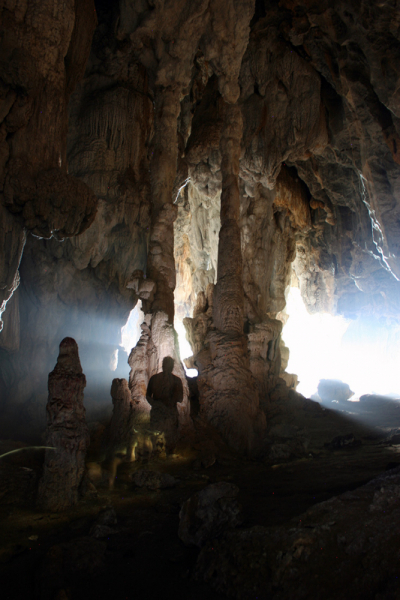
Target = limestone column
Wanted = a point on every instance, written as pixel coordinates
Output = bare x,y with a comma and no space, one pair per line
228,395
67,432
228,308
159,338
161,262
120,430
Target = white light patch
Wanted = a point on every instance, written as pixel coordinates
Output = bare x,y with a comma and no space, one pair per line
314,344
365,354
185,349
131,332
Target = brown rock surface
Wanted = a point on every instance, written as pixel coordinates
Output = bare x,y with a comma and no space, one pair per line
67,432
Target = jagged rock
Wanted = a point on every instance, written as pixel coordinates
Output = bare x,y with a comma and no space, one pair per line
12,239
157,341
229,398
317,170
208,513
67,432
104,524
37,194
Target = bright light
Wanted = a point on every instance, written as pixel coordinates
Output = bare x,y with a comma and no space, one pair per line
184,347
363,353
314,344
131,332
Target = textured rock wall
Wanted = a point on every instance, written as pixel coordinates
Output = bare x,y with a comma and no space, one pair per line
354,48
85,286
43,54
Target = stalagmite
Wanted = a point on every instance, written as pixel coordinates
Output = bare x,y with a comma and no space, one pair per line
120,433
229,398
67,432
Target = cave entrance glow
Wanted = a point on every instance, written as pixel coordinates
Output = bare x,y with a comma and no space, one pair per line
185,349
364,353
130,335
131,332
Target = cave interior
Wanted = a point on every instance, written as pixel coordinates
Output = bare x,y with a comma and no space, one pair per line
217,182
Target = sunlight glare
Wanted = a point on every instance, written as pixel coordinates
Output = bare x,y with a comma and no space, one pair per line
363,353
131,332
184,347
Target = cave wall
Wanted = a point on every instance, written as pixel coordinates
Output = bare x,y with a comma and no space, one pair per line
111,126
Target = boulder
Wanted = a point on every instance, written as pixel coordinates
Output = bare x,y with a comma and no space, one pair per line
208,513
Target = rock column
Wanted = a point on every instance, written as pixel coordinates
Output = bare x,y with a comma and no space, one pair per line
159,338
228,308
67,432
120,432
228,394
161,262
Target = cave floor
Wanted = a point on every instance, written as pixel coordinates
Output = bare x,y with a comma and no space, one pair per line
144,557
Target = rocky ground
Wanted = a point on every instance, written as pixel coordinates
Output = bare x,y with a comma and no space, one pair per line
123,542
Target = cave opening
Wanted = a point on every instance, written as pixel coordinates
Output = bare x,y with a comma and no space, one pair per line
130,332
362,352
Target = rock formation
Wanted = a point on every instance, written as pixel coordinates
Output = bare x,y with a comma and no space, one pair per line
67,432
229,398
112,138
343,547
207,514
201,157
44,52
120,434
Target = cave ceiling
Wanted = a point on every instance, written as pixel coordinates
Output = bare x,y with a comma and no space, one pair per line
110,111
